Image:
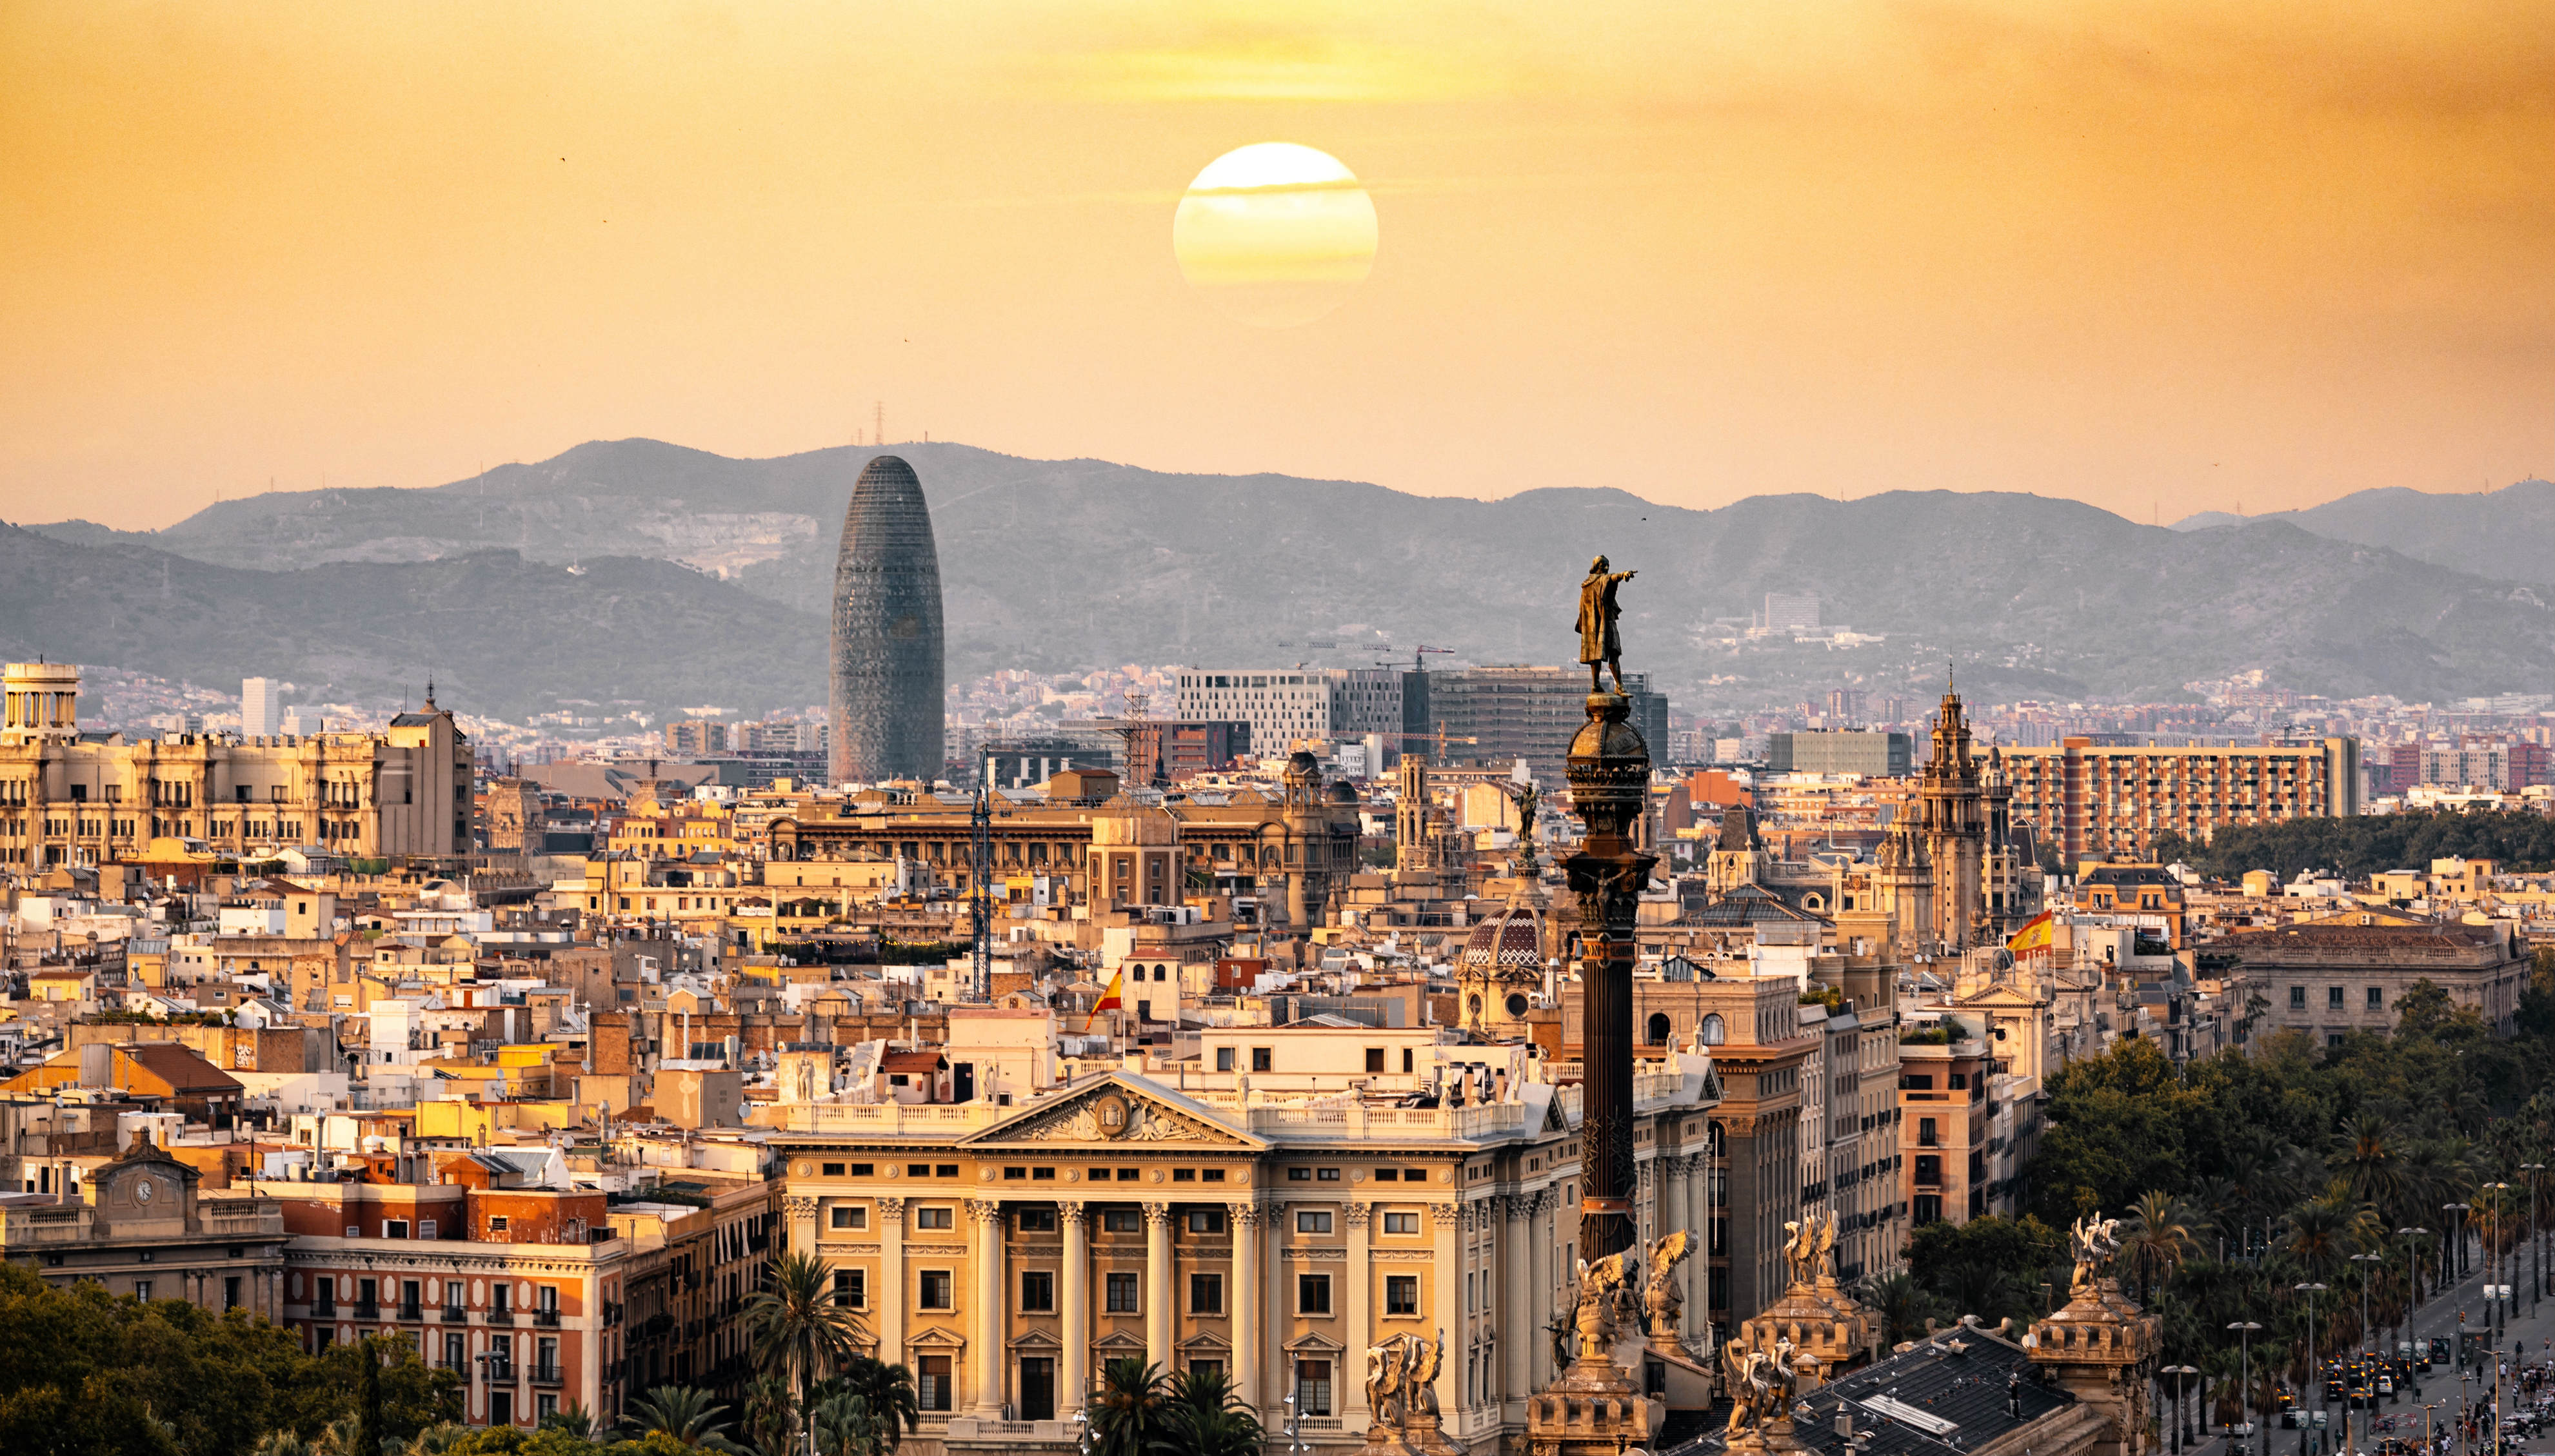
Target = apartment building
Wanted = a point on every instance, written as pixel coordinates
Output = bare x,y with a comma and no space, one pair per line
2090,802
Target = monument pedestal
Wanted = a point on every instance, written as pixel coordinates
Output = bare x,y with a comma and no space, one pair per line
1593,1407
1422,1435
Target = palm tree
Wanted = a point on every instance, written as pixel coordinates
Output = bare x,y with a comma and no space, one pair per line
577,1421
770,1413
842,1422
886,1394
2158,1237
2366,1156
1130,1413
1902,1304
1210,1417
2323,1233
285,1443
690,1416
800,1333
437,1439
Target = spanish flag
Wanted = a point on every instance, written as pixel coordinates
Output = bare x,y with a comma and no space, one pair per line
2041,933
1114,999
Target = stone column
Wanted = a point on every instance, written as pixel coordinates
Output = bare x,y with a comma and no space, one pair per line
1517,1324
801,1213
1698,1269
1609,769
1159,1281
1249,1323
991,1356
1538,1265
1075,1367
1358,1280
1446,1221
891,1292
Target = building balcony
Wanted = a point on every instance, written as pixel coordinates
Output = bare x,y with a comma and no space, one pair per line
549,1375
547,1318
412,1314
501,1317
454,1314
367,1309
324,1309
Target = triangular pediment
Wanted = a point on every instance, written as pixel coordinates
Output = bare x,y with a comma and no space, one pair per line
1116,1110
1118,1340
1038,1340
1315,1342
2011,996
936,1338
1206,1340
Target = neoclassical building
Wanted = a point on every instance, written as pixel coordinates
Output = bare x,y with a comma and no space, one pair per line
1005,1253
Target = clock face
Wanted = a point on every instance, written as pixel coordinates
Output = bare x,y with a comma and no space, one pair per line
145,1191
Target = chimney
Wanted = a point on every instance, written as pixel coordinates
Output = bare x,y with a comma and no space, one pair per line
98,1066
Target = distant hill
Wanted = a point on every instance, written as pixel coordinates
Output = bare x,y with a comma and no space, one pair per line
1063,564
498,634
2507,533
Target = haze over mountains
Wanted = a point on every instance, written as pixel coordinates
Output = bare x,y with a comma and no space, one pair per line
645,572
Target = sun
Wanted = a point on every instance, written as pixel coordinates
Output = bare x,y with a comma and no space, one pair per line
1275,234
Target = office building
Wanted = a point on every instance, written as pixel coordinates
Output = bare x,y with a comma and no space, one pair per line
1884,755
1285,707
885,685
260,708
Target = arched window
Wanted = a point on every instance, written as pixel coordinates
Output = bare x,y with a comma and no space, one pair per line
1714,1033
1517,1004
1659,1029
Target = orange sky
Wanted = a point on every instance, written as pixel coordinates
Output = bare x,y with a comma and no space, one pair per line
2155,256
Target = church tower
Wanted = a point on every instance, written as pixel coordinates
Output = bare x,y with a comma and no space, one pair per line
1413,824
1952,816
1738,856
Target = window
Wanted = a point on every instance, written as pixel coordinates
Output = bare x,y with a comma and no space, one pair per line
1929,1169
935,1218
1037,1221
497,1223
2377,998
1206,1294
1038,1292
935,1289
1299,1175
426,1228
1925,1208
1401,1293
1120,1220
1312,1388
1401,1223
230,1291
863,1169
1657,1029
917,1169
1312,1221
931,1383
834,1169
1326,1174
1375,1058
2297,998
852,1287
1121,1295
1314,1293
944,1170
1714,1032
2333,998
1261,1058
1926,1136
142,1290
1224,1059
845,1217
1206,1220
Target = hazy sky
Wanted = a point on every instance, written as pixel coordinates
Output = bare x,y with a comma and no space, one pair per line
2155,256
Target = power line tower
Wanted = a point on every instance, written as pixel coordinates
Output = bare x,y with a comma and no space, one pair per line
980,899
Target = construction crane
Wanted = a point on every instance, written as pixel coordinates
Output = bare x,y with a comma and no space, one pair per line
1439,738
1420,657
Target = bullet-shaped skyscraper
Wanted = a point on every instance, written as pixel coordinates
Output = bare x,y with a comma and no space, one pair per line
887,671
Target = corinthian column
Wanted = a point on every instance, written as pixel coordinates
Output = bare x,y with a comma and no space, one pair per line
1077,1363
1158,1284
890,1293
1359,1277
990,1354
1247,1321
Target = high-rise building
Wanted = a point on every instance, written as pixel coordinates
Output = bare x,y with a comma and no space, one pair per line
2091,800
260,708
1883,754
1291,705
1530,713
886,643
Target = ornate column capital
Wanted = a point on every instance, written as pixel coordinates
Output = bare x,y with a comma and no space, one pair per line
1248,1215
1357,1214
1442,1216
1077,1213
892,1210
799,1208
1157,1214
984,1210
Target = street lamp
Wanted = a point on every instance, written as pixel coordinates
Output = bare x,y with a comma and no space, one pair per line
2457,1213
2369,1403
2536,1259
2181,1402
2493,1252
2245,1329
2311,1290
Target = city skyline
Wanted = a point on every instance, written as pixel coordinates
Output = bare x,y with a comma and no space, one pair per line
2163,261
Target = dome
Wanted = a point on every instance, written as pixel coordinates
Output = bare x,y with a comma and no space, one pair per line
1344,792
1302,767
1609,737
1510,940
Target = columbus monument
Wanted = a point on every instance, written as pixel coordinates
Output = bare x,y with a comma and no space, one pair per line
886,690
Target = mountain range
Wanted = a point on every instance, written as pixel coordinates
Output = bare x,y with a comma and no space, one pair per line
649,574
